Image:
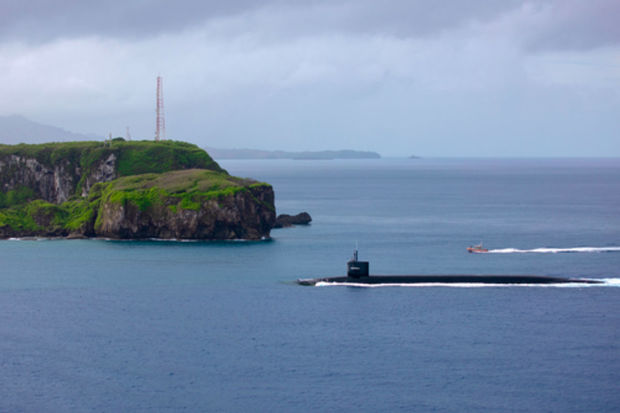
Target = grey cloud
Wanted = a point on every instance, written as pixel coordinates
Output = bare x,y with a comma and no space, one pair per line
43,20
548,24
576,25
403,18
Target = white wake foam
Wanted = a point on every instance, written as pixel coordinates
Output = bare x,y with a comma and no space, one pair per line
606,282
554,250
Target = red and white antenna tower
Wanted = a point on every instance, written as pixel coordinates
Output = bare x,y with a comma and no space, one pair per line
160,123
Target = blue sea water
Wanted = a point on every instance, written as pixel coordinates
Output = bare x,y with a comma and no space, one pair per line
107,326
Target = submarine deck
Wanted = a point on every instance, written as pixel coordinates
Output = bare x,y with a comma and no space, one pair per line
448,279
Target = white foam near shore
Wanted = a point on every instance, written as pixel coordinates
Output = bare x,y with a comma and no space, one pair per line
29,239
606,282
171,240
553,250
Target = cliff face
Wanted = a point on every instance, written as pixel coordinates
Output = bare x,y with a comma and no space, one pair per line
86,190
246,214
103,170
54,172
55,183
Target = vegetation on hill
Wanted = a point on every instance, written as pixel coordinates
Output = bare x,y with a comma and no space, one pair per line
40,217
187,189
16,196
134,157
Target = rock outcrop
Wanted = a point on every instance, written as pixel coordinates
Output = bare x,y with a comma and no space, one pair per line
284,220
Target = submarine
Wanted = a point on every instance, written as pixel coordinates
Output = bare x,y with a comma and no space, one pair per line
358,273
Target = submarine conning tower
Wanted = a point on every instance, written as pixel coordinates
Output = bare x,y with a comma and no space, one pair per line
357,268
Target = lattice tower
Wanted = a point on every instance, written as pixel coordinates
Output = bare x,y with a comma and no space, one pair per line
160,122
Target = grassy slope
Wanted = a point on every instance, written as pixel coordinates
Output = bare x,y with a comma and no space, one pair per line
187,189
134,157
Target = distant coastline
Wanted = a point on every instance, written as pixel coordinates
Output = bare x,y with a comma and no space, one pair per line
219,153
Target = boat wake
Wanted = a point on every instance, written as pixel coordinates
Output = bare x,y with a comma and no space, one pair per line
606,282
553,250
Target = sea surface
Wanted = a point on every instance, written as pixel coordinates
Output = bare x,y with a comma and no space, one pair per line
111,326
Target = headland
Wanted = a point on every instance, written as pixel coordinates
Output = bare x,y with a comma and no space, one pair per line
127,190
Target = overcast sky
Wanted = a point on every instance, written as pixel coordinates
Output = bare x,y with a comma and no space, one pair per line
460,78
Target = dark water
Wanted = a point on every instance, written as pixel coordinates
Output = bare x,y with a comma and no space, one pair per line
168,326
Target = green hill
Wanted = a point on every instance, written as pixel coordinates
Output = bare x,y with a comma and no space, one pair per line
124,189
56,171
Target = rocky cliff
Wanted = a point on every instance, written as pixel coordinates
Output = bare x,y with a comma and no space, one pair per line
128,190
56,171
214,207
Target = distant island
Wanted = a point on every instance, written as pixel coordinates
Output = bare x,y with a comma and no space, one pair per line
18,129
127,190
219,153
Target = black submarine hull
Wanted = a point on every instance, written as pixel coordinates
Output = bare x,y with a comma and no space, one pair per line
448,279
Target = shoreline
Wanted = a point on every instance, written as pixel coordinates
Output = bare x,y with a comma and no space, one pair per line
177,240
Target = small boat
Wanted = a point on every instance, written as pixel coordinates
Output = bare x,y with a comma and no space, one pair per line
477,248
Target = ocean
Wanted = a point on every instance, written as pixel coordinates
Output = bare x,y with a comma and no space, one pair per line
108,326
